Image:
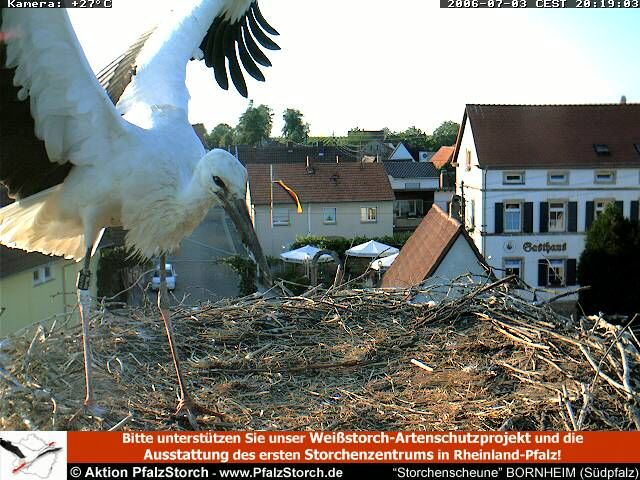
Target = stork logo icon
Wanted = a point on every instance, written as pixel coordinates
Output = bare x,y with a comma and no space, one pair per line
30,455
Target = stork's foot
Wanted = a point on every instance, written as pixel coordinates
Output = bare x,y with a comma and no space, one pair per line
89,409
190,410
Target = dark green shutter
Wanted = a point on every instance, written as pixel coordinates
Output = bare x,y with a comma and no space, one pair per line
542,272
571,272
527,226
635,214
572,225
499,217
544,217
589,216
620,207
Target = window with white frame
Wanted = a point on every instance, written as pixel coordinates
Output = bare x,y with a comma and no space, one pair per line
408,208
512,266
467,160
557,216
604,176
329,215
558,178
470,213
555,272
599,206
512,216
513,178
280,217
42,274
368,214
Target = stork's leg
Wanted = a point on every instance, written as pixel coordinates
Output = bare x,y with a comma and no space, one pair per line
186,404
84,303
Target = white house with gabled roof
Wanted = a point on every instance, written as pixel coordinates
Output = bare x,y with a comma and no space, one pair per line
534,177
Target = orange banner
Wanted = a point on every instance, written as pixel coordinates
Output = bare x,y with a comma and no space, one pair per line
353,447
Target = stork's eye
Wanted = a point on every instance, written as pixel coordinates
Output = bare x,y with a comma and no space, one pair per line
218,181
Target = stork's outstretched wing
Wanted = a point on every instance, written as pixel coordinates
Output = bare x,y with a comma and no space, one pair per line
71,114
243,33
226,33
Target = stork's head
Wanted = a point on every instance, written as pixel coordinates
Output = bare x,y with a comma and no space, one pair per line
221,174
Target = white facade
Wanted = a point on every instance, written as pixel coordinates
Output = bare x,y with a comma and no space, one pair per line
417,183
331,219
555,209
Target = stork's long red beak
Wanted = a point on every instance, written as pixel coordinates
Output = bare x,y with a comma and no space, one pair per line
237,210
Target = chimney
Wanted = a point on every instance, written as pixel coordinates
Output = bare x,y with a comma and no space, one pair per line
310,170
623,100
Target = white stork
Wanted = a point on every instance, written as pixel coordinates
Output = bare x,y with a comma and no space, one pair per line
76,163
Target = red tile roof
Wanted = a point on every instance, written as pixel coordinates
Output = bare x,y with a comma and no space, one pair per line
443,156
340,182
425,250
554,136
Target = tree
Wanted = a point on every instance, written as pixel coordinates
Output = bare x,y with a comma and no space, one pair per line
294,128
222,135
254,125
610,264
445,135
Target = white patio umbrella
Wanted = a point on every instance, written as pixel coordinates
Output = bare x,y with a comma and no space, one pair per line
371,249
304,255
383,263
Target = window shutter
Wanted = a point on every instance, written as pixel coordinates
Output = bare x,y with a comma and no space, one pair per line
635,214
572,225
589,216
499,217
571,272
620,207
527,226
542,272
544,217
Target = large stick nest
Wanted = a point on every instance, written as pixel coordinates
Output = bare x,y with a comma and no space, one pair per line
483,359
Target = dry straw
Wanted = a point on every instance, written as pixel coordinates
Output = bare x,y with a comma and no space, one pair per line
483,358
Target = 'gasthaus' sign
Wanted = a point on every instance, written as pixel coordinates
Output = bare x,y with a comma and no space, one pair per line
546,247
542,247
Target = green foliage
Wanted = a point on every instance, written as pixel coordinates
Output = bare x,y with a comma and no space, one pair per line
445,135
340,244
610,264
254,125
294,128
221,136
246,268
110,267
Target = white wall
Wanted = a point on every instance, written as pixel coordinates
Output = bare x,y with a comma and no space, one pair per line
425,183
460,260
275,240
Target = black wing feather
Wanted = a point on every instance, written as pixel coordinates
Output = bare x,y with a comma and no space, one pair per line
245,57
225,41
261,20
257,54
259,35
237,78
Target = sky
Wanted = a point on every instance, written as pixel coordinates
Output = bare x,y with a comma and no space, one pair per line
399,63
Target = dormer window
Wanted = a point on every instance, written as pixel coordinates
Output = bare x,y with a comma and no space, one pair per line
558,178
602,150
604,176
637,146
513,178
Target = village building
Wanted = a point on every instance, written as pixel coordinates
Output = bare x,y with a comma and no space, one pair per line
338,200
533,178
438,253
